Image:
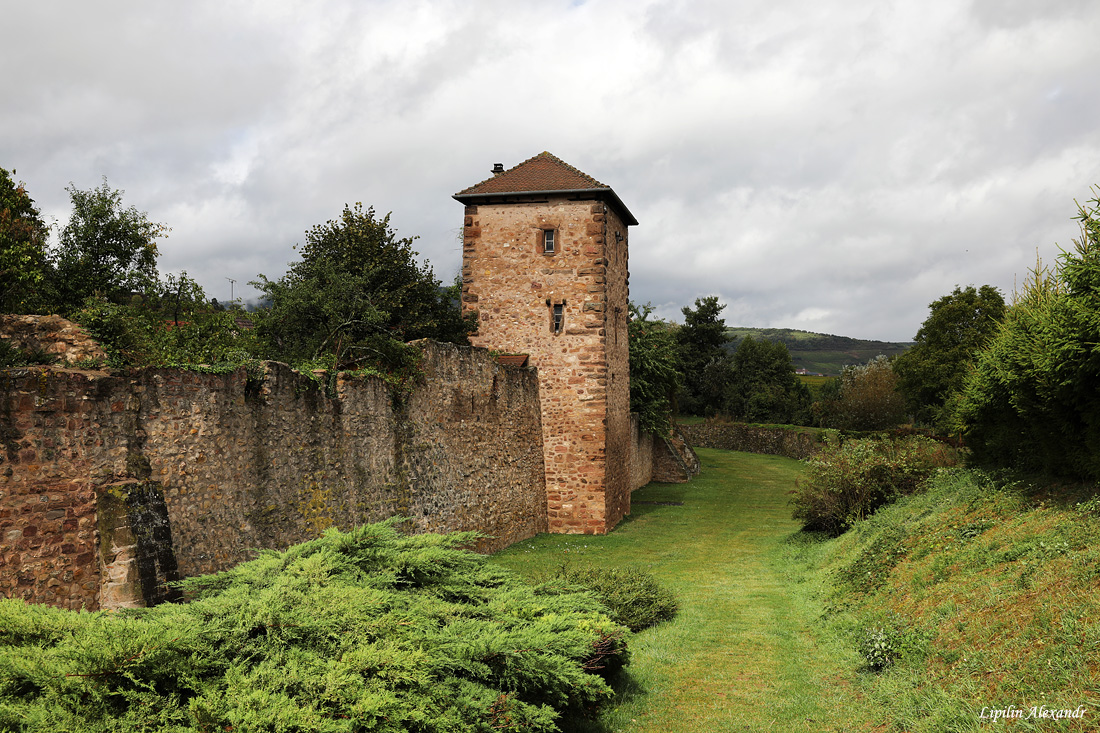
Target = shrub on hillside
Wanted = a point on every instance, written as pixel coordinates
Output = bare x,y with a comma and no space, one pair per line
847,482
889,641
633,596
863,397
364,631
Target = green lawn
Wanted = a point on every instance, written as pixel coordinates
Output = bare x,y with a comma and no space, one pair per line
747,651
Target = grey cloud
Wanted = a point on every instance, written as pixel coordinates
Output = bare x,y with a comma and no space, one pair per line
830,165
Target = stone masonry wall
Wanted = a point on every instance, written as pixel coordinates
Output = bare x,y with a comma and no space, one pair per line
513,286
616,345
793,442
100,472
641,455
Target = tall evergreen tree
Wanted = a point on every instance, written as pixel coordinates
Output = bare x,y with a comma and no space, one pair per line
1031,399
701,340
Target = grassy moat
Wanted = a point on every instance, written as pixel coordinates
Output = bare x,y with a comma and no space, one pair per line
983,600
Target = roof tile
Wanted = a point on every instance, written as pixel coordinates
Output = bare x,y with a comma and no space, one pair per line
544,172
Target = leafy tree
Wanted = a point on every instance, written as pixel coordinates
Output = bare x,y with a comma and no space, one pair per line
23,263
867,398
355,297
105,248
763,386
701,340
654,370
933,371
1032,400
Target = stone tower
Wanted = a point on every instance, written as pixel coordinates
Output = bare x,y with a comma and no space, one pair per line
544,267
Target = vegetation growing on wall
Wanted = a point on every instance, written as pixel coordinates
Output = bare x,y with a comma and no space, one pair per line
368,630
352,302
172,325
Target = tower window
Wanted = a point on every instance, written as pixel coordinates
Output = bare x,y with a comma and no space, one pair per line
557,322
549,242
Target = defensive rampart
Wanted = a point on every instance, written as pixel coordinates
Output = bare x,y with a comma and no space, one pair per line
793,442
112,483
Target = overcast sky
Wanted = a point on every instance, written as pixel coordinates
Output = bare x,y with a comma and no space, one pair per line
828,165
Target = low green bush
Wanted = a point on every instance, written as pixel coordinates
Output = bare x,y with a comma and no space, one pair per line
890,640
368,630
846,483
632,596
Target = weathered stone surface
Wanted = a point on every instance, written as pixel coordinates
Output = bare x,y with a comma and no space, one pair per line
214,467
52,335
797,443
583,366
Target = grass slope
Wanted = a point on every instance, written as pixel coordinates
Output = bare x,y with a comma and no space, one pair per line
990,595
819,352
746,651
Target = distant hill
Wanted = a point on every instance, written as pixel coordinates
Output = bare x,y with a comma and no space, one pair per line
820,352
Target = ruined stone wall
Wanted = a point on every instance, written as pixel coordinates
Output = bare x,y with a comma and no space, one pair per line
50,335
674,460
513,285
100,471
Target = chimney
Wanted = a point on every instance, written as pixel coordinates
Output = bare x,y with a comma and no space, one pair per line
498,168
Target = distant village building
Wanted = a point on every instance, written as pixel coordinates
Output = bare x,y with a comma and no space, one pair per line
545,270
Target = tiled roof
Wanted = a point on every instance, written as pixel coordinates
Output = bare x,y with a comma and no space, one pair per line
544,172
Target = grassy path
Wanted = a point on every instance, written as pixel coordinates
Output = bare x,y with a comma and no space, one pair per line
746,652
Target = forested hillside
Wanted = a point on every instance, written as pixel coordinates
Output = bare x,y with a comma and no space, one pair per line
819,352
